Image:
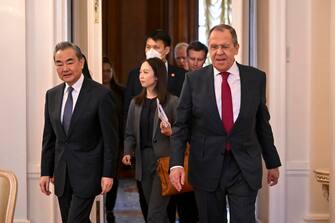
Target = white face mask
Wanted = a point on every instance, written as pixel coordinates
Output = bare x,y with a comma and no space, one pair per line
153,53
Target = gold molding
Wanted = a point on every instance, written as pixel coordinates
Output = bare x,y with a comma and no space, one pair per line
323,177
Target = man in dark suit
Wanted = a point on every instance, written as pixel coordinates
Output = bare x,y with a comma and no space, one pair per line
222,111
158,44
79,139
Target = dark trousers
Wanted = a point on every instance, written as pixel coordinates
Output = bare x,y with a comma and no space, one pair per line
143,202
73,208
241,198
151,184
110,201
186,206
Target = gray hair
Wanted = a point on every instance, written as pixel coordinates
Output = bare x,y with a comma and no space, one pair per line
223,27
66,45
180,45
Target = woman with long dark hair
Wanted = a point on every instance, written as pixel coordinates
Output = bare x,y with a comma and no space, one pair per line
147,137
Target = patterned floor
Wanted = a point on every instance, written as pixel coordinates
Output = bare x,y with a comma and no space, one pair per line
127,207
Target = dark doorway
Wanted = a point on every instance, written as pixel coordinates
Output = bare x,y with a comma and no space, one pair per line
125,24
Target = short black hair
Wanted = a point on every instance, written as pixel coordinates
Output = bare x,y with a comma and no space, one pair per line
160,34
66,45
197,46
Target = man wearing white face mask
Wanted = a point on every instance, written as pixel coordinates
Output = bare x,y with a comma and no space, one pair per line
158,44
152,53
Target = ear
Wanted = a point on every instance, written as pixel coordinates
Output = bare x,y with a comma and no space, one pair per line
167,50
237,47
82,61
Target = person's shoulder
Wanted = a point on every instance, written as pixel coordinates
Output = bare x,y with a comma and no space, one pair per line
176,70
132,104
201,73
120,87
172,98
249,69
59,87
95,86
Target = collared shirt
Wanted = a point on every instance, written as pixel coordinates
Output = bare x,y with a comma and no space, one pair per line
234,82
75,93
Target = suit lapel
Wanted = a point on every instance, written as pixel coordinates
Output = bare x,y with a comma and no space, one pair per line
244,95
80,104
58,108
216,118
137,120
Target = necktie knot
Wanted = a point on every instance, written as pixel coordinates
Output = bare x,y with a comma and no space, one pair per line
69,90
224,75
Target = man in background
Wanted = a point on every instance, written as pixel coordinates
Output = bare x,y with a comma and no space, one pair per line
180,55
196,55
186,203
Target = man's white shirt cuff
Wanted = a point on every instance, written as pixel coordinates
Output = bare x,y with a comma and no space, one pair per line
174,167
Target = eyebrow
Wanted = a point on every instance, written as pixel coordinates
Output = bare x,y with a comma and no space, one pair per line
67,60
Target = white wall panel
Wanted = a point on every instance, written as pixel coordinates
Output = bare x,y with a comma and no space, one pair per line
13,112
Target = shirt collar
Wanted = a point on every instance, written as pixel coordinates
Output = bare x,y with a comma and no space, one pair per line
167,66
76,86
233,70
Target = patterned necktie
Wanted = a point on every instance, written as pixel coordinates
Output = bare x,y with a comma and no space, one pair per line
226,106
68,110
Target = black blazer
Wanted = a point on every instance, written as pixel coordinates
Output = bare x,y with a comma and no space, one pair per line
198,119
89,150
176,78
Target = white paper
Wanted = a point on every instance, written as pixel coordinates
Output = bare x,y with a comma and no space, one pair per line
161,113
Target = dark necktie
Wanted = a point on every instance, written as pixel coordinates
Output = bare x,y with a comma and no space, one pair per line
68,110
226,106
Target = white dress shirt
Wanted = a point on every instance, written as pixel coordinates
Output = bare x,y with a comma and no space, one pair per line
75,93
234,82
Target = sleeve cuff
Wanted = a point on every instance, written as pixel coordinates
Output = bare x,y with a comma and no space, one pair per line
174,167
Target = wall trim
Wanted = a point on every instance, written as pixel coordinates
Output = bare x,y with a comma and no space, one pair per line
297,168
21,221
33,171
316,217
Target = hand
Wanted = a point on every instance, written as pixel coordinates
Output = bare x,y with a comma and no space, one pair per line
44,185
106,184
165,128
126,160
273,176
177,177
